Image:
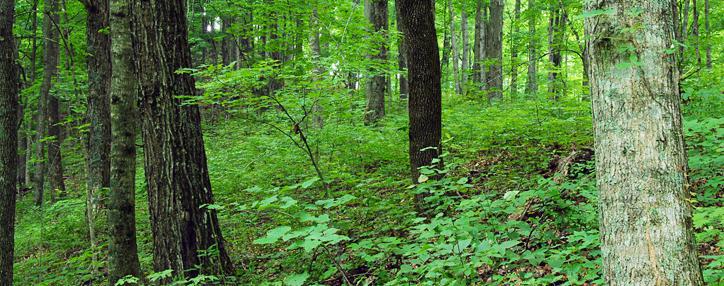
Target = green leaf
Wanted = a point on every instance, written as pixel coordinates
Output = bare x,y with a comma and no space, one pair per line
309,183
273,235
296,279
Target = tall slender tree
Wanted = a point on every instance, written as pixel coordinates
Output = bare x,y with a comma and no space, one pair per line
402,56
641,165
425,104
122,247
515,30
8,140
177,176
708,34
51,50
376,11
454,49
531,87
466,48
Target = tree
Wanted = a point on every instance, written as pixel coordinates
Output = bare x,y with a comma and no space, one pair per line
708,34
425,104
514,49
401,57
8,140
51,50
531,87
479,43
556,43
494,50
376,12
183,224
122,248
466,48
641,163
98,116
454,49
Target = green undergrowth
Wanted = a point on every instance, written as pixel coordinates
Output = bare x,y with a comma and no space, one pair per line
500,216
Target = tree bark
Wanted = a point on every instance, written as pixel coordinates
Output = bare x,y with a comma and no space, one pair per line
641,164
51,50
8,140
466,49
708,34
401,56
514,49
454,49
695,30
122,247
494,50
531,87
377,84
556,42
425,104
177,177
479,66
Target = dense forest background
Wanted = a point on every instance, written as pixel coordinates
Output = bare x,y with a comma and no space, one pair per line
304,111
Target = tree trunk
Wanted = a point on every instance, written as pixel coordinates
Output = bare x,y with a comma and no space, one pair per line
531,87
466,49
641,165
377,85
514,50
446,36
695,30
51,50
401,56
175,164
454,50
122,248
556,42
316,49
684,33
708,34
425,105
494,50
98,117
479,45
8,140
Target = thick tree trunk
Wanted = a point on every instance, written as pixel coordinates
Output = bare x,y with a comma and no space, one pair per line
641,165
8,140
494,50
122,248
99,80
478,44
51,50
425,107
401,56
466,50
514,49
531,87
376,11
175,161
98,141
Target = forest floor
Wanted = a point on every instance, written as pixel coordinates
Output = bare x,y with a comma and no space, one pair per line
517,205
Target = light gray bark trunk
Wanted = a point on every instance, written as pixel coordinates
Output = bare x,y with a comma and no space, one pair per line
494,51
454,50
122,247
641,164
466,49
